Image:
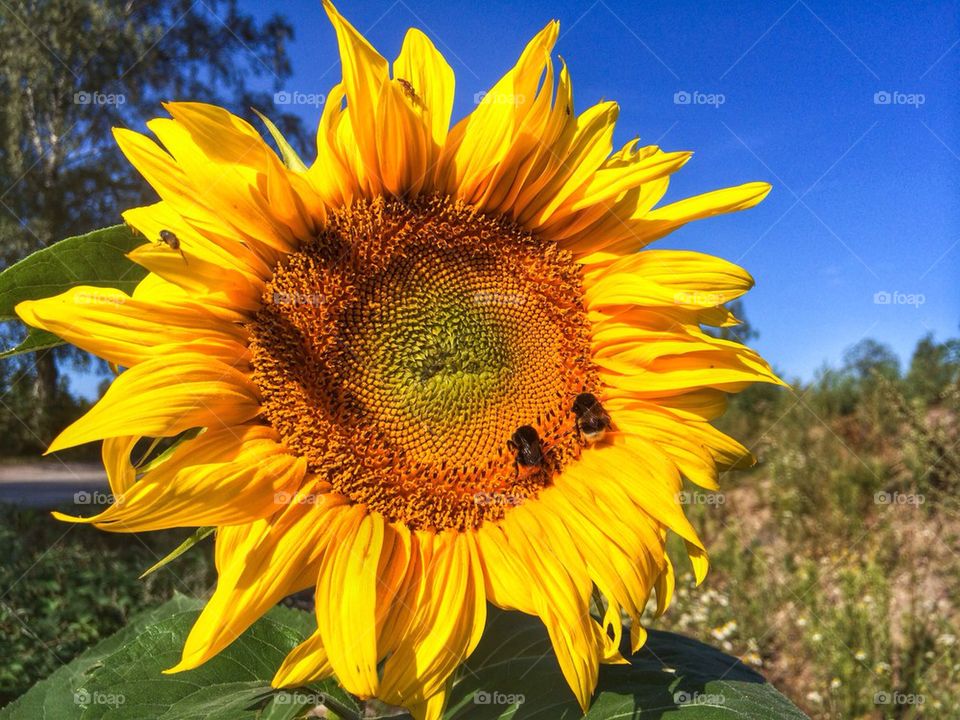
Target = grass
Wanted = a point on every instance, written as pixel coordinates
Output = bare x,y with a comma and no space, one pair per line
834,562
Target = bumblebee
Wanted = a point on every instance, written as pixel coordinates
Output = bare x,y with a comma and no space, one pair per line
526,448
592,420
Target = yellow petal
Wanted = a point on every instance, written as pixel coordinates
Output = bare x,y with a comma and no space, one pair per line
231,190
346,601
116,461
164,396
404,146
479,142
196,486
654,225
127,331
667,277
449,619
590,145
432,79
267,560
364,70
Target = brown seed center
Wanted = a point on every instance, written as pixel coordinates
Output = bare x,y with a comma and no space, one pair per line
400,350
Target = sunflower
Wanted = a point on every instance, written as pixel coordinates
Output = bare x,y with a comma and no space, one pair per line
433,370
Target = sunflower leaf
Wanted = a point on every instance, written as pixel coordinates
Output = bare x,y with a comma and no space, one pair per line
35,340
98,258
197,536
514,674
122,679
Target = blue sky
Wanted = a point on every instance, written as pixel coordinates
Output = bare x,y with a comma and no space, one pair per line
865,192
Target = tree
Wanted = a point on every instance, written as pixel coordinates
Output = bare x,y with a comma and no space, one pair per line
868,357
742,333
72,69
933,368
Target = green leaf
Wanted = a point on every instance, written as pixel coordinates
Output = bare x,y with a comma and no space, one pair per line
35,340
174,443
514,674
122,679
52,698
197,536
97,258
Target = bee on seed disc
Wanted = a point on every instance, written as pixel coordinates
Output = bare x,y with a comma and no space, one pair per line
527,451
592,420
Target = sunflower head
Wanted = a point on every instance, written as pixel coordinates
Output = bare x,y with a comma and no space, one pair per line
408,341
434,369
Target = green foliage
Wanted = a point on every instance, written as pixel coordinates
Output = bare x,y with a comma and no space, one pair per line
512,674
65,587
833,561
933,367
22,430
97,258
122,677
71,70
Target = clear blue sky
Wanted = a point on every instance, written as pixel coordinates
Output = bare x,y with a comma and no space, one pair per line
865,194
